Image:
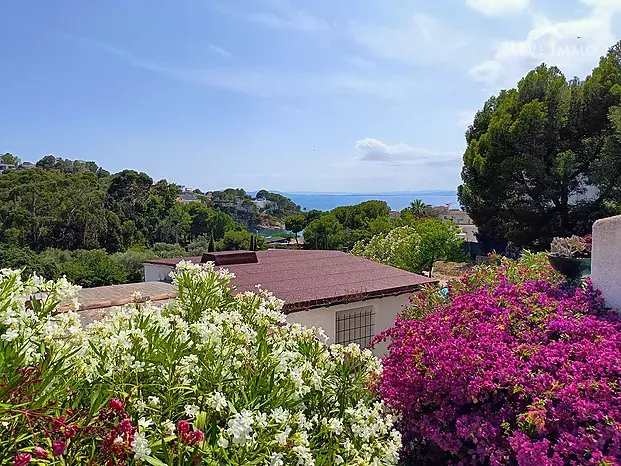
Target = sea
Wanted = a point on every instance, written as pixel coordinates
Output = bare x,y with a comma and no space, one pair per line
396,200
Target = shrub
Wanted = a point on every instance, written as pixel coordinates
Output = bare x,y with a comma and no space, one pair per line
415,248
208,379
512,367
574,246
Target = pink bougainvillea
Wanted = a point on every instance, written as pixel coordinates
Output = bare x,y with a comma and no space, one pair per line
512,367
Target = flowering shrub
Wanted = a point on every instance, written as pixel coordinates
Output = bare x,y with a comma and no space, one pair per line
210,379
512,367
397,248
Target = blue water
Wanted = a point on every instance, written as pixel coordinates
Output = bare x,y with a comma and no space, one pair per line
396,201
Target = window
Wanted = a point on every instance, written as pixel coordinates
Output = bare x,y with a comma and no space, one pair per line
355,326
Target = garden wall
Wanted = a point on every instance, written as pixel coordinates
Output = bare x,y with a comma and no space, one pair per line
606,259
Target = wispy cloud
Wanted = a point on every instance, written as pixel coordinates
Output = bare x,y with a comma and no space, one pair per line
220,51
422,39
574,45
498,7
373,150
274,83
296,20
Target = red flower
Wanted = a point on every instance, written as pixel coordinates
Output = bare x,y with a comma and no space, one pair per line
58,447
22,459
58,422
183,427
195,437
70,431
116,405
125,427
41,453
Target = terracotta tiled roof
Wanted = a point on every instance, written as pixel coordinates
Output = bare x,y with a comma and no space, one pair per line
95,301
306,279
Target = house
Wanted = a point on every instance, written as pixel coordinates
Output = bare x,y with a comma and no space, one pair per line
185,198
262,203
394,214
26,165
6,166
461,219
351,298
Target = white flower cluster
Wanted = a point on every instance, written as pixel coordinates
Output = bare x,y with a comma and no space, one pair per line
261,391
30,320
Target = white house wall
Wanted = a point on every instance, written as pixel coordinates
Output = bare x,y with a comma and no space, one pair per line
386,310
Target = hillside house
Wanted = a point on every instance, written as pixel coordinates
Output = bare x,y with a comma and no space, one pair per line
186,198
6,166
351,298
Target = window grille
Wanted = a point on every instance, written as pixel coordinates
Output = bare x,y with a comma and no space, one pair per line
355,326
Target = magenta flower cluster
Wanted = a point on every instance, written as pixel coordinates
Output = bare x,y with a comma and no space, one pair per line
508,370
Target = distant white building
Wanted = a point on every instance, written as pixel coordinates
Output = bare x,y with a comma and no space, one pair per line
6,166
262,203
461,219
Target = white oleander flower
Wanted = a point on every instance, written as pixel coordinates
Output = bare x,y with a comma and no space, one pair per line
144,423
276,460
192,410
140,446
169,427
217,402
282,437
240,427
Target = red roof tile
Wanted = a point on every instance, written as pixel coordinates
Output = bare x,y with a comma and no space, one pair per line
305,279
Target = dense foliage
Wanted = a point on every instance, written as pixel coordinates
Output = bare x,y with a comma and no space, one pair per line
75,206
72,218
344,226
544,159
279,206
512,367
416,247
209,379
239,205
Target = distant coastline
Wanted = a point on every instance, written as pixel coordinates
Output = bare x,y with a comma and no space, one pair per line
396,200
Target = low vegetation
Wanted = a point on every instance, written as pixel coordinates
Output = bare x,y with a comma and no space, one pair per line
512,366
414,248
208,379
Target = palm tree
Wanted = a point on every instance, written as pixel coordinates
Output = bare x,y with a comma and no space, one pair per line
419,208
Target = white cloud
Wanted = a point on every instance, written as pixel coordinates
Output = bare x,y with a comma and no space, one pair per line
373,150
297,20
420,39
220,51
498,7
274,83
604,4
573,45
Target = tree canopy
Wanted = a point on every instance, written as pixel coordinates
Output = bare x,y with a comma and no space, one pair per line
415,247
544,159
344,226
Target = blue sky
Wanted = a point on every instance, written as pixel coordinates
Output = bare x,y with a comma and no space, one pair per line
291,95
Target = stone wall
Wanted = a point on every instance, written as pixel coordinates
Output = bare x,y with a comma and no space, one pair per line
606,259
